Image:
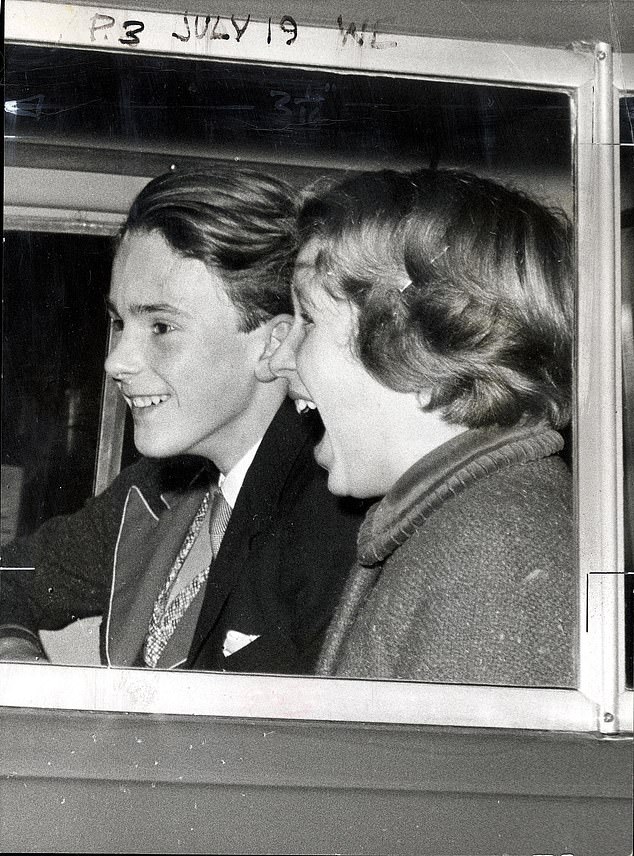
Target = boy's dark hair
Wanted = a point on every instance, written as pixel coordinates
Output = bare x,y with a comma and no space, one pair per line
239,222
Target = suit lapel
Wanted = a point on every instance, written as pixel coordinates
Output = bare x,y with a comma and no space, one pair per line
146,548
254,514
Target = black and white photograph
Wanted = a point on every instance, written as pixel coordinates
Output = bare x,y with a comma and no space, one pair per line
317,474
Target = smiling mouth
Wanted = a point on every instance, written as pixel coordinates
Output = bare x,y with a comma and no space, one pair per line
139,402
304,406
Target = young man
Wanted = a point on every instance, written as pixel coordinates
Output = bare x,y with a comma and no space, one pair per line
200,282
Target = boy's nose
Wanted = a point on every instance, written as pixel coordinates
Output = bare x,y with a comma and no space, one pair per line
124,358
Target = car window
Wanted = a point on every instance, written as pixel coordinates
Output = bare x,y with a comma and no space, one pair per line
135,115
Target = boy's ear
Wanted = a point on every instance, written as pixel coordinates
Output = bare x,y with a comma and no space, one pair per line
278,329
423,397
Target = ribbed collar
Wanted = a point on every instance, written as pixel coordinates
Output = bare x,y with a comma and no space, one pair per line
444,473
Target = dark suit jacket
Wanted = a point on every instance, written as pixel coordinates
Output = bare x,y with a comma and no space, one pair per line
278,575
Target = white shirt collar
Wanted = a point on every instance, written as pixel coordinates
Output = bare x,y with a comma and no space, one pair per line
231,483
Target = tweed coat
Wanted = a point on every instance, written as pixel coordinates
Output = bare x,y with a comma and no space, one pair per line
466,569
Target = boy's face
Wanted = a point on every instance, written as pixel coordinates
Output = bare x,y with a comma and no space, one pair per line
182,364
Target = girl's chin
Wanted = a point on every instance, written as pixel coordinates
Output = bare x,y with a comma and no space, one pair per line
325,457
335,488
323,451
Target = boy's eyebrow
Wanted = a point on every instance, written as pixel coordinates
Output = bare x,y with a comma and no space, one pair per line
146,308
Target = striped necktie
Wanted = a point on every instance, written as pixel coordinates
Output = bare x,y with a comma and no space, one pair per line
218,521
167,614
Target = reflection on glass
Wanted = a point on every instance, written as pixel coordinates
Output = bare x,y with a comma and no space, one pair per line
311,119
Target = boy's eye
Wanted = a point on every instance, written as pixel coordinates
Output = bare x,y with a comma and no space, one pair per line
116,324
161,327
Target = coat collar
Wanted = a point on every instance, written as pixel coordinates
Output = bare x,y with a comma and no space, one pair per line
444,473
145,549
196,476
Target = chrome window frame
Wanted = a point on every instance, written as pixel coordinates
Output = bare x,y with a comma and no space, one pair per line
601,703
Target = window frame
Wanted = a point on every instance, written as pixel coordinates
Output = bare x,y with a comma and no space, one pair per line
587,73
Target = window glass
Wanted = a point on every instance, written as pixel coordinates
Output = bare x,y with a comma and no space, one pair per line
127,114
309,118
53,342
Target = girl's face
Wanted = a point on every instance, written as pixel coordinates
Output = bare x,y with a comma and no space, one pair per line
367,444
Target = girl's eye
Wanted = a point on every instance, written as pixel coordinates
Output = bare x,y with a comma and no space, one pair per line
161,327
306,318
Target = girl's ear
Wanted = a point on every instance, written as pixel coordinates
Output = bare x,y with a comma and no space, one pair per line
278,329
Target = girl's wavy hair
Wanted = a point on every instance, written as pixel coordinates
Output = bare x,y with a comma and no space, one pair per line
464,290
241,223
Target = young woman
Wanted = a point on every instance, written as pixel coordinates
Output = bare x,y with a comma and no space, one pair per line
433,325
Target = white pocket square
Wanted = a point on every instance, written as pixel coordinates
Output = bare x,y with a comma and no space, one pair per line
234,641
